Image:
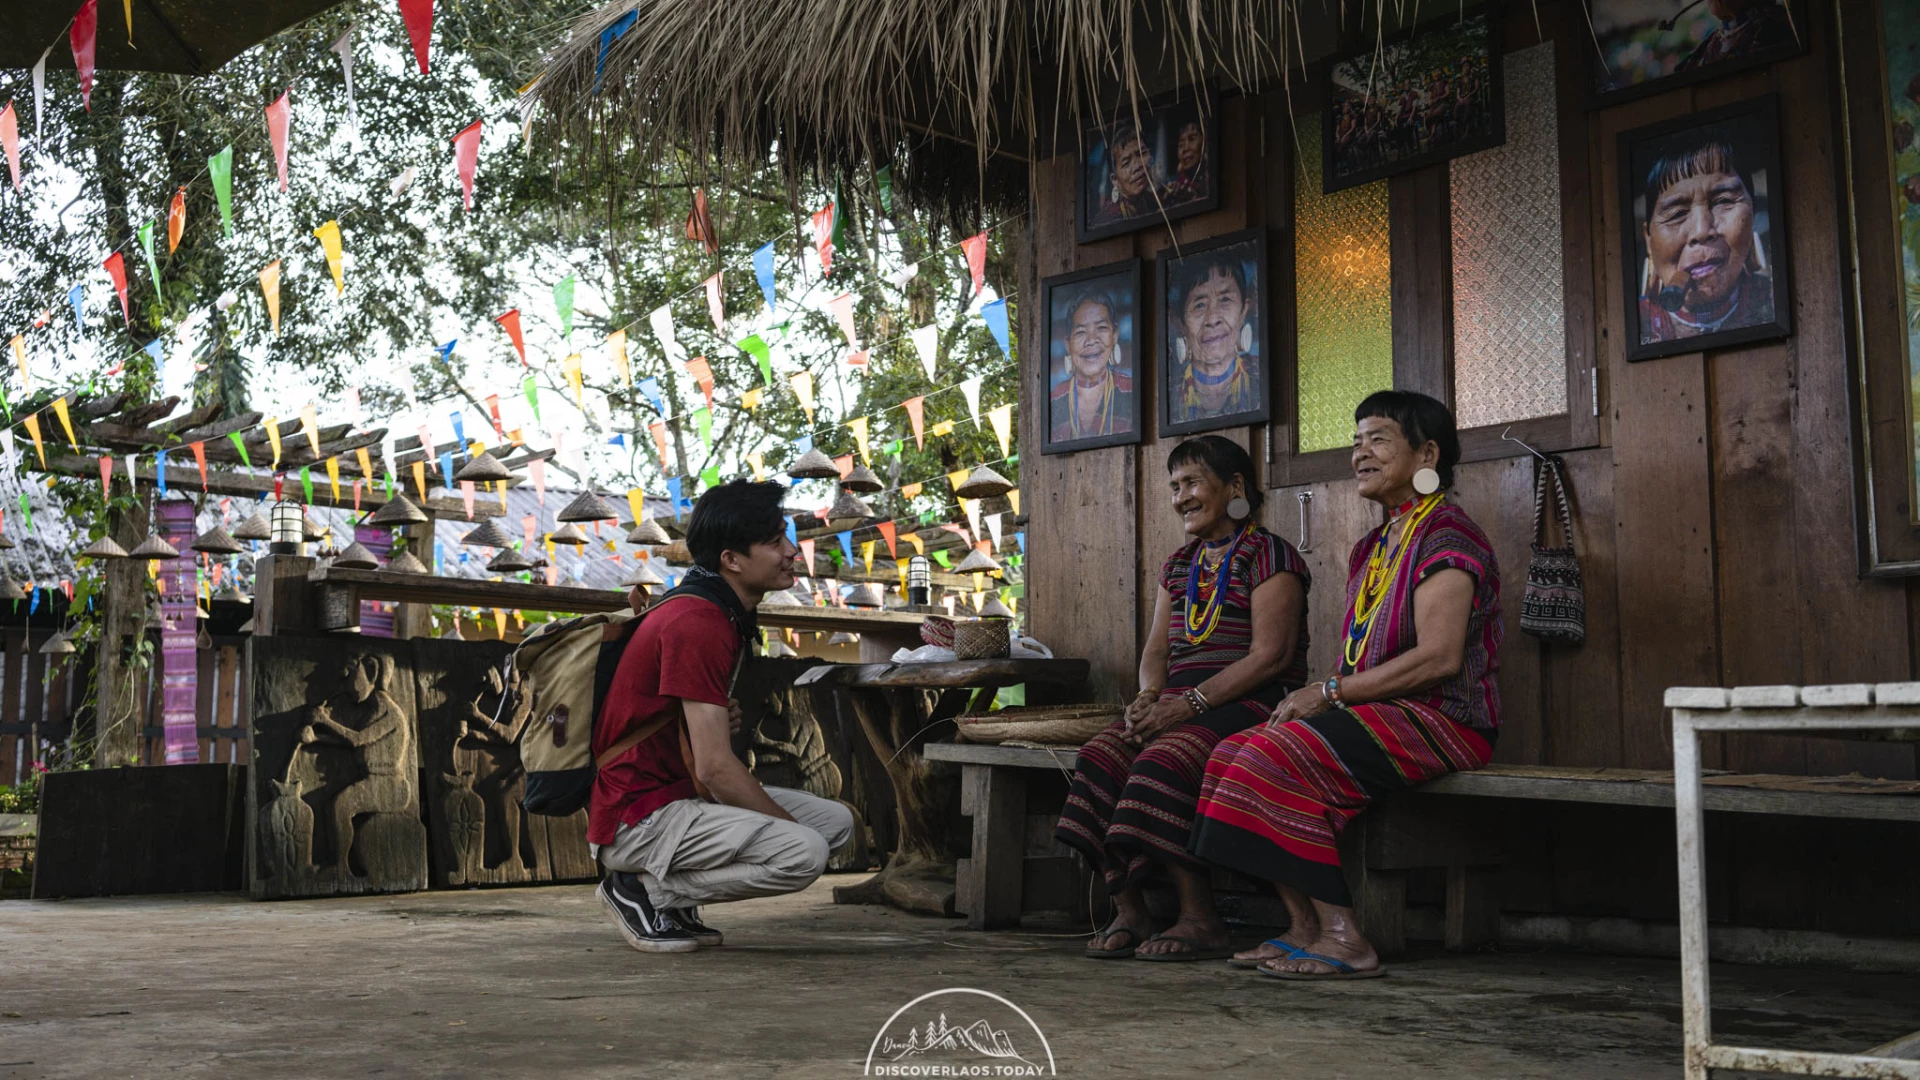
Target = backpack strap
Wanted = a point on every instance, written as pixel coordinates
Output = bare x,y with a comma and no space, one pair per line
632,739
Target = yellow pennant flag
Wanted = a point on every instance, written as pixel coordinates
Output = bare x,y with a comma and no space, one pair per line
957,477
751,399
944,427
617,349
759,466
20,356
803,389
911,491
33,429
919,545
270,288
420,478
1013,499
550,555
329,235
366,462
571,365
273,436
1002,420
858,425
66,422
310,425
902,567
501,487
333,476
637,502
866,553
500,623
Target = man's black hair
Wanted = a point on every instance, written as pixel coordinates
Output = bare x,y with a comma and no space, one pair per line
1421,418
1223,458
734,517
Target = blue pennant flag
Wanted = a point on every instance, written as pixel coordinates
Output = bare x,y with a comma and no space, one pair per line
651,388
160,470
459,431
996,316
673,495
34,604
77,296
763,269
846,547
619,440
439,554
1021,537
793,533
446,468
611,34
153,349
446,350
802,445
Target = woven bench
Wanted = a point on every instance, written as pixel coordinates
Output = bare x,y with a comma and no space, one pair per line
1420,829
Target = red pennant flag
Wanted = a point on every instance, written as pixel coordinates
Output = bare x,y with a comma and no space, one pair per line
81,36
466,150
806,552
106,475
887,531
511,322
700,223
117,270
702,373
10,139
356,495
845,464
176,219
976,248
66,586
659,430
823,237
858,359
493,407
916,411
278,115
418,15
200,458
279,479
842,308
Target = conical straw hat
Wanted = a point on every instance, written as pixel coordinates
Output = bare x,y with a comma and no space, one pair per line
977,561
509,561
356,557
487,534
983,483
862,479
217,541
406,563
644,574
254,528
649,532
588,506
399,510
483,469
849,507
104,548
154,548
568,534
813,465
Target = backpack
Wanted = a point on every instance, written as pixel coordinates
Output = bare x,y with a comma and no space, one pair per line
558,680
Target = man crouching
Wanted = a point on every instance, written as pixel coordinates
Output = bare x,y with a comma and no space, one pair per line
676,819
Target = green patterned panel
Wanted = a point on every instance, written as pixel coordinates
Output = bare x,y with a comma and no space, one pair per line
1342,294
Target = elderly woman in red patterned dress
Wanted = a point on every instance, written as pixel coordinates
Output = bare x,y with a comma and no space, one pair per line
1415,696
1234,604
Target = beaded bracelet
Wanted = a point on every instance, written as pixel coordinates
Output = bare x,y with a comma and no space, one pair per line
1196,700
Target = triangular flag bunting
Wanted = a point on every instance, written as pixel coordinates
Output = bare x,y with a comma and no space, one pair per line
279,114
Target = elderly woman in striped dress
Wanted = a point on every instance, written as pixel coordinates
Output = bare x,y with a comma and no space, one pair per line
1415,696
1233,602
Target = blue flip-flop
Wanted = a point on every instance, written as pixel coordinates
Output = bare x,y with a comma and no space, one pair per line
1342,971
1293,953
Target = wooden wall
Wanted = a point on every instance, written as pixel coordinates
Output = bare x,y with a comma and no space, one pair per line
1713,501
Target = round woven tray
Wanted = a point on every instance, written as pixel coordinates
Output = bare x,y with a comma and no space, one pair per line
982,639
1046,725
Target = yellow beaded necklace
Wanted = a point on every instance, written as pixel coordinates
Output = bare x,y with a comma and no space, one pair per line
1382,571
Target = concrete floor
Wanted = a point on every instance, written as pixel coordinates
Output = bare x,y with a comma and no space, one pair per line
534,983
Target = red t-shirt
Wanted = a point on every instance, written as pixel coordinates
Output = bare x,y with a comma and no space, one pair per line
683,650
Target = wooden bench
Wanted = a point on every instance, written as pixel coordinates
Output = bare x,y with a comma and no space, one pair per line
1419,829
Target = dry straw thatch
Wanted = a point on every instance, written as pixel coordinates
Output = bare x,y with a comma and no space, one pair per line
952,92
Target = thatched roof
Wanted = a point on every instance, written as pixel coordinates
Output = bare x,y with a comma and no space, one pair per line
960,92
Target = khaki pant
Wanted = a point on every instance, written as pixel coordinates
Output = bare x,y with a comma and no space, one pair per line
691,852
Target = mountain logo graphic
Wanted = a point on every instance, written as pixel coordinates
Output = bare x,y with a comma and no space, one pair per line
919,1040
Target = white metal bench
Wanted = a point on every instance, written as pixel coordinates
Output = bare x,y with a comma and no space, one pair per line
1854,710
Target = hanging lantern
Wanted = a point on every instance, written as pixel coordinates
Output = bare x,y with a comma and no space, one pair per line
649,532
356,557
289,534
104,548
983,483
919,581
813,465
588,506
862,479
217,541
254,528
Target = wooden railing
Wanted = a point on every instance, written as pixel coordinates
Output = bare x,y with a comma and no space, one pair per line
37,699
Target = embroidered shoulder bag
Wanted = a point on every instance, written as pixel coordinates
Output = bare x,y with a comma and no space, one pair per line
1554,607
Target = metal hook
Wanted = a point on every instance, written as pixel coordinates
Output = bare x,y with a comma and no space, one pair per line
1504,437
1306,530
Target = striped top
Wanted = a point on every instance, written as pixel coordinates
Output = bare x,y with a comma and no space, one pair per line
1261,555
1447,539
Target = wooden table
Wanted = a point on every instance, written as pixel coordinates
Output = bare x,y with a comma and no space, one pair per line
893,705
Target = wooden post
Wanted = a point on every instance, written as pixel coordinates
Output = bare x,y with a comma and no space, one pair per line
411,620
281,596
123,623
988,884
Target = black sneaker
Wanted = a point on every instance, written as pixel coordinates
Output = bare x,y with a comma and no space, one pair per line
644,928
688,919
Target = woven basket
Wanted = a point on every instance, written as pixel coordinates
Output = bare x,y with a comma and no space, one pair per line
1046,725
982,639
937,630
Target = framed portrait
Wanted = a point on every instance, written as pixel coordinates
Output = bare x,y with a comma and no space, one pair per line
1647,46
1423,96
1160,165
1704,232
1215,356
1094,337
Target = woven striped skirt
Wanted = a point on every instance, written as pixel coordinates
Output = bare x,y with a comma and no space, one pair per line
1130,805
1273,801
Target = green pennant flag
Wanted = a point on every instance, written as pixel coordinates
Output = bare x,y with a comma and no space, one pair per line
26,509
703,420
710,476
533,397
306,482
220,168
761,355
146,245
240,444
563,300
389,482
884,181
945,560
840,216
894,448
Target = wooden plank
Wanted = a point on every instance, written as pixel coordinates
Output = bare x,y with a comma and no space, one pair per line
1580,691
1745,800
990,881
205,674
1025,757
1498,495
957,674
469,592
1419,227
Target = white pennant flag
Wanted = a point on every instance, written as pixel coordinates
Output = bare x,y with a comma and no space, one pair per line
389,454
344,46
130,473
39,95
404,181
662,321
971,388
926,341
13,456
972,507
900,277
993,526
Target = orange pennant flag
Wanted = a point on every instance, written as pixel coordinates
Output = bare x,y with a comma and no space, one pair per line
887,529
33,428
617,350
911,491
270,288
976,248
917,412
176,219
420,478
20,356
200,458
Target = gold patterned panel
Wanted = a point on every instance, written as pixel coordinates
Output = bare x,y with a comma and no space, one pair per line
1509,297
1343,270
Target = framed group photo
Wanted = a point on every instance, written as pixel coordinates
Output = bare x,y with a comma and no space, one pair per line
1215,355
1648,46
1158,164
1423,96
1094,334
1704,232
